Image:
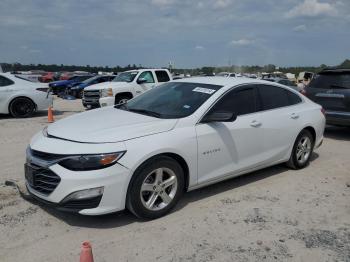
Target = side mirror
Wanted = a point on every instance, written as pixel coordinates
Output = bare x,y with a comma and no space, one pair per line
141,80
219,117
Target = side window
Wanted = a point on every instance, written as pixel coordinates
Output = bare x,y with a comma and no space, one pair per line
293,98
240,101
272,97
148,76
5,81
162,76
345,81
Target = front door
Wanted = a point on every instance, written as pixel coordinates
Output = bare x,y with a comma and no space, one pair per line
149,83
225,148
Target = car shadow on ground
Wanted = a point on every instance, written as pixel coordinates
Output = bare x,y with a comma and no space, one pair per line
39,114
338,133
124,217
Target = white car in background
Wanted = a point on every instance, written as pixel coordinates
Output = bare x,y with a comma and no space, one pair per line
183,135
124,86
21,97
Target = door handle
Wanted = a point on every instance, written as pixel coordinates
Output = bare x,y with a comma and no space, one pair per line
255,123
294,116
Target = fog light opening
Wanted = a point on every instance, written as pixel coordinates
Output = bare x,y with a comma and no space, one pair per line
84,194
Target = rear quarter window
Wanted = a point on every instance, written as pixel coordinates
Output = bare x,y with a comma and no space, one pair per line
331,81
5,81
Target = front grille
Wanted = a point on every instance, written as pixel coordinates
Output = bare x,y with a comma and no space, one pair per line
91,94
43,180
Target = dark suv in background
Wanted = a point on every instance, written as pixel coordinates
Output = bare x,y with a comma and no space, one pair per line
331,89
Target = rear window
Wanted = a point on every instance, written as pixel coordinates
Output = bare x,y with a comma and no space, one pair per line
162,76
331,81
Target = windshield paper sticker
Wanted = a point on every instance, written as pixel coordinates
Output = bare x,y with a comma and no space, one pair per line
204,90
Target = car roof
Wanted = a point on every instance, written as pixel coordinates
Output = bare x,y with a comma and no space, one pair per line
145,69
334,70
222,81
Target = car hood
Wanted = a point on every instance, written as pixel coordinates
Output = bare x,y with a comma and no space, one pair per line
60,82
108,125
105,85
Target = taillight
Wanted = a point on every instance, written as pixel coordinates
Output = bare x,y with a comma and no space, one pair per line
43,89
323,111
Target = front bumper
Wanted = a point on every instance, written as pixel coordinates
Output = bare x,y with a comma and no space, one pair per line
114,180
338,118
107,101
91,103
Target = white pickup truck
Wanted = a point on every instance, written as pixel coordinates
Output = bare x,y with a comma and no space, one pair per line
123,87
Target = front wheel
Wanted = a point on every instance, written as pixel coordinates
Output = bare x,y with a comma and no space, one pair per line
156,188
302,150
121,99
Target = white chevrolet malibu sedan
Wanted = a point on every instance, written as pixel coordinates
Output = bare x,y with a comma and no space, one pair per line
144,154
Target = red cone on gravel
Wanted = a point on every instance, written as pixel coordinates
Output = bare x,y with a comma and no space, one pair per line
86,252
50,118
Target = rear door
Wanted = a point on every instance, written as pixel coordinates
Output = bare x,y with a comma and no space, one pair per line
280,118
162,76
331,91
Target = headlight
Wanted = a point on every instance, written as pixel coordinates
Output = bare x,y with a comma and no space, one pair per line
106,92
91,162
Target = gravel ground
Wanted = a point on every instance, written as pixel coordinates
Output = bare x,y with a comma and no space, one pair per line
271,215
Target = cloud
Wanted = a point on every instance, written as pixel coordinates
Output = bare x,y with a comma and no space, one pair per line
242,42
220,4
300,28
162,3
199,47
313,8
34,51
53,27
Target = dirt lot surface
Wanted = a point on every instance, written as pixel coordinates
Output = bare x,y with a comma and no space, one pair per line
272,215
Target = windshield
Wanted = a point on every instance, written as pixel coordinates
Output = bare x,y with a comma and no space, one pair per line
171,100
126,76
82,78
89,80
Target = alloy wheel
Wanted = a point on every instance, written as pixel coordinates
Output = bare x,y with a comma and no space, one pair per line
303,149
158,189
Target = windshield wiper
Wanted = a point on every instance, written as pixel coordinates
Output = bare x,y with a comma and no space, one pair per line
122,106
145,112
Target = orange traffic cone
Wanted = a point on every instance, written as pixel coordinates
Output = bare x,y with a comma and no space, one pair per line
86,252
50,118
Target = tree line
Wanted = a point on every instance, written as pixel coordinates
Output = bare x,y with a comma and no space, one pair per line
194,71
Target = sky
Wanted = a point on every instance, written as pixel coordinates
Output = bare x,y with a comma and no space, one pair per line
188,33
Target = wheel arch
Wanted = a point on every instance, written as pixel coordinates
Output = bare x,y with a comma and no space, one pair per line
127,93
176,157
311,130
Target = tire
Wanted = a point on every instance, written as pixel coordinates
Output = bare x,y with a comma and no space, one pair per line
22,107
121,99
156,187
302,150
